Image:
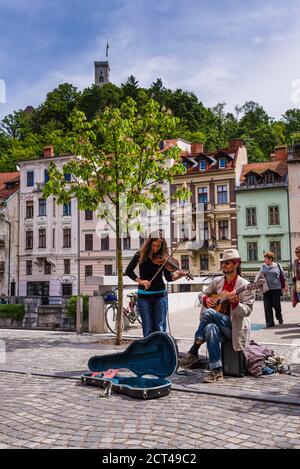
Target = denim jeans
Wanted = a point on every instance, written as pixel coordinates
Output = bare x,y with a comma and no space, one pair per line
214,328
153,313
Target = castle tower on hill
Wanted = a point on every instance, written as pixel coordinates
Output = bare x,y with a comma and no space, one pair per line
102,70
101,73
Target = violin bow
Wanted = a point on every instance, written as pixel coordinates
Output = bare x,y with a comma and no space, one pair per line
164,263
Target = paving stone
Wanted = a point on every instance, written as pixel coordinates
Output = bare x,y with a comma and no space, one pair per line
44,412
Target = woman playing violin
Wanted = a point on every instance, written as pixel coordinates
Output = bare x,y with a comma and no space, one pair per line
152,293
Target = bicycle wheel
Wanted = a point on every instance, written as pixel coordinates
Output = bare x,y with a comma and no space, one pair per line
111,318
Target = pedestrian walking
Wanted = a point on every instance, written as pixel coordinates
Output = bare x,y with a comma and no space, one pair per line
275,279
296,277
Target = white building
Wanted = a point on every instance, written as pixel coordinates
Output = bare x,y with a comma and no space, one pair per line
48,253
9,233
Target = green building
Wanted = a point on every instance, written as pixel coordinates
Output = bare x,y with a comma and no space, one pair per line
263,214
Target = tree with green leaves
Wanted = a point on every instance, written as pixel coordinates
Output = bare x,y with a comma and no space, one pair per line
120,157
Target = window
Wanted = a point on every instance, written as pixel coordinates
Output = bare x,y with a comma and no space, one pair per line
223,229
108,270
89,242
275,246
88,271
105,243
42,207
29,209
269,178
46,175
67,209
222,194
127,243
274,215
67,289
202,165
222,163
184,163
30,178
54,207
39,289
53,237
28,267
42,238
206,231
67,177
252,180
185,262
47,268
29,240
202,195
67,237
89,215
252,251
251,216
67,266
204,262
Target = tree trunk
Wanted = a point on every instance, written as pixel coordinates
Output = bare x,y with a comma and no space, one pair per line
120,275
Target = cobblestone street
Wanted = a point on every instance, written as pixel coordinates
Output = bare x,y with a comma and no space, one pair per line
44,405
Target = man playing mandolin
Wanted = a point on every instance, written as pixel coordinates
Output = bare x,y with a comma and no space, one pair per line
226,303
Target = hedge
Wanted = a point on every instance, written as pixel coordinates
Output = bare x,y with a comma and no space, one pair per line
14,312
71,306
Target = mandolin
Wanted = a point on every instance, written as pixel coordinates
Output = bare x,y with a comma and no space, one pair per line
221,301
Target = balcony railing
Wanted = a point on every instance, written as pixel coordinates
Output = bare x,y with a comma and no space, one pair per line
262,185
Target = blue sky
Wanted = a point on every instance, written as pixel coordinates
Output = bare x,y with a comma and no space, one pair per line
222,50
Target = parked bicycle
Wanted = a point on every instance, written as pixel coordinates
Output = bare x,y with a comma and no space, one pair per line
130,314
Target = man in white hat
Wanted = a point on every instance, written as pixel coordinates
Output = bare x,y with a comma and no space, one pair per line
232,323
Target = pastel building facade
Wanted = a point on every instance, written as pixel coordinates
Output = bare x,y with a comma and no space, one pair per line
48,236
263,213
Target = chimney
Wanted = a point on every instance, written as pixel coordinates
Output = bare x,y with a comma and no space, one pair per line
281,153
235,143
197,148
48,151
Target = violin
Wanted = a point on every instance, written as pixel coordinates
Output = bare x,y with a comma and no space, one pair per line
170,264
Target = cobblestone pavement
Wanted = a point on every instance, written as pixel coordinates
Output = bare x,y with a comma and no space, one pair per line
45,412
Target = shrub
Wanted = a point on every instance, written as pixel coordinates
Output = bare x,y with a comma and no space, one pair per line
71,306
15,312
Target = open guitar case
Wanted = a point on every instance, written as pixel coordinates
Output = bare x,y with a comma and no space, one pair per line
152,360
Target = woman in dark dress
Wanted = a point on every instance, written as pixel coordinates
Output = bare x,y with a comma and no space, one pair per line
152,294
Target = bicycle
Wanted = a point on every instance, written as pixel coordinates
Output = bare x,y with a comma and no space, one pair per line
130,314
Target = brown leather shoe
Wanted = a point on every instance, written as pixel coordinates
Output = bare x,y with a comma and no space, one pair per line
188,360
213,376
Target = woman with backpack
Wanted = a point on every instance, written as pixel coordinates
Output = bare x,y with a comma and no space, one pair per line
275,280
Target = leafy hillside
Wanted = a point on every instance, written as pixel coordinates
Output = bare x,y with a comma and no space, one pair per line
24,133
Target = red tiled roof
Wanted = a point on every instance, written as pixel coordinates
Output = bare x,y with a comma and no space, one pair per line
279,167
5,177
8,177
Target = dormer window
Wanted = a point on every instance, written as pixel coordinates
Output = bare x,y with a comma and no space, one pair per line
222,163
269,178
185,164
10,185
202,165
252,180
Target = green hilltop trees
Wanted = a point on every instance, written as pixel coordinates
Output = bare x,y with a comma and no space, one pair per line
24,133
